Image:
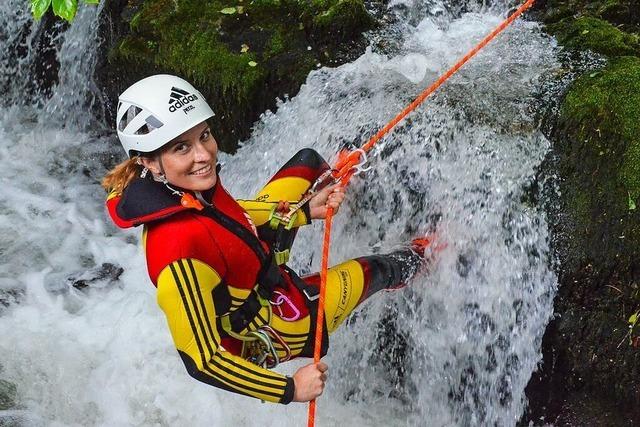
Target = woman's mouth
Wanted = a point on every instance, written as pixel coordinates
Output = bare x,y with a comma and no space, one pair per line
202,171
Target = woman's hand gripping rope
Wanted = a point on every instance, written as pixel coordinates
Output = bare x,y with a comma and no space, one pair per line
309,381
331,196
327,192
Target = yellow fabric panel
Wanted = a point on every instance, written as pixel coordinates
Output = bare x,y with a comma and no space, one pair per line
239,293
297,327
185,296
260,211
177,313
248,377
287,188
345,284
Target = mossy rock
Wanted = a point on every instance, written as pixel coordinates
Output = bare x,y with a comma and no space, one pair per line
618,12
241,54
598,142
596,35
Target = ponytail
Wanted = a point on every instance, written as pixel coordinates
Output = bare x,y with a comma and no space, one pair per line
117,179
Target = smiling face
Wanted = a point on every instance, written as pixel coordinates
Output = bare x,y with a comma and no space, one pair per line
189,160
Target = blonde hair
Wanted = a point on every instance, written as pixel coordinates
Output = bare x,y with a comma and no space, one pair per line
117,179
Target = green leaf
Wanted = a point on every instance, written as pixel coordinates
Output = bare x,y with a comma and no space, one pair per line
39,7
585,32
228,10
240,9
91,1
65,9
632,203
252,63
633,319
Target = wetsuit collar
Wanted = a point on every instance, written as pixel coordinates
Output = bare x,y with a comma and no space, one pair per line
145,200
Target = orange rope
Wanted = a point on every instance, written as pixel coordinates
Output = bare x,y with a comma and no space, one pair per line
320,318
344,172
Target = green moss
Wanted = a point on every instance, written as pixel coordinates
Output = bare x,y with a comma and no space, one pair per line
600,151
595,34
193,39
343,16
604,108
580,205
615,10
277,44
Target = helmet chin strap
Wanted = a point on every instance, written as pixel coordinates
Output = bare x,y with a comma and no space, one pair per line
163,179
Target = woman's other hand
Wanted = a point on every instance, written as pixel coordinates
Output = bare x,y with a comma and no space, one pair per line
309,381
330,197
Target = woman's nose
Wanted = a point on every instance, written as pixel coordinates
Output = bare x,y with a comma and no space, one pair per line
201,154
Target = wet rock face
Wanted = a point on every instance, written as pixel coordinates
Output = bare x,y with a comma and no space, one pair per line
7,395
591,354
242,56
100,276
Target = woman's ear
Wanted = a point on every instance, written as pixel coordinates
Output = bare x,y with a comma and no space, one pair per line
150,163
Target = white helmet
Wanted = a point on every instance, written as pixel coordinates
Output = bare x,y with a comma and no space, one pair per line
157,109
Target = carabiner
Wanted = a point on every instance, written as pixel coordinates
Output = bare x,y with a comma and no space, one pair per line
359,167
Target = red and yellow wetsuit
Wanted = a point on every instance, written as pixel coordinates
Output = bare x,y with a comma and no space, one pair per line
206,263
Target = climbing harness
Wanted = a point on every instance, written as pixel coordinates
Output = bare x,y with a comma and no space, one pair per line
348,165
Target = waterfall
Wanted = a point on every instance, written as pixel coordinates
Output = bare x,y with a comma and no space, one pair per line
456,348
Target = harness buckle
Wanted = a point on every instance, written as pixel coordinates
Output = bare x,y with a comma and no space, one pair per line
225,322
281,257
310,297
287,220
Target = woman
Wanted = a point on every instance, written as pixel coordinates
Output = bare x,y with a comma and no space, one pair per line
233,307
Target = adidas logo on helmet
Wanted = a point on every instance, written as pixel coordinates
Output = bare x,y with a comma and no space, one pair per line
180,98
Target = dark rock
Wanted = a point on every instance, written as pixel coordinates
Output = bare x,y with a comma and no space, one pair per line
100,276
8,395
242,60
596,35
589,374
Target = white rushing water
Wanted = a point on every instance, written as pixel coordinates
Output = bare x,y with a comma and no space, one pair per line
455,349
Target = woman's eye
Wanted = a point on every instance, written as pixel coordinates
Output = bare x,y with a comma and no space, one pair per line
180,147
205,135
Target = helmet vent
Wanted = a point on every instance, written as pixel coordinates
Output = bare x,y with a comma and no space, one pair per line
154,122
144,129
151,124
131,114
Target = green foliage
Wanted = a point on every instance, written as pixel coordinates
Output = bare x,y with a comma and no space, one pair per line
39,7
65,9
